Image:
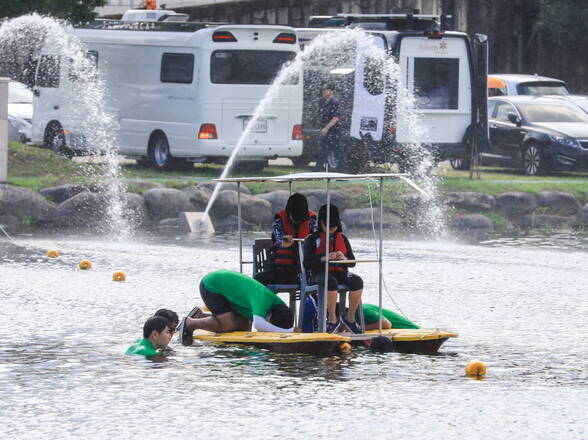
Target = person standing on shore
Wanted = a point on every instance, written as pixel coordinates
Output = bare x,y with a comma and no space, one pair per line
331,128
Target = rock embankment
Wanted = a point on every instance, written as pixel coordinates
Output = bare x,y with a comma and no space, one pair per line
158,208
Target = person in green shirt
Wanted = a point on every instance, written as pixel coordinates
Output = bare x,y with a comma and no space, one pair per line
235,301
156,336
390,319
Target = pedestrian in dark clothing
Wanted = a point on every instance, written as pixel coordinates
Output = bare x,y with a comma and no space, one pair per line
339,249
331,129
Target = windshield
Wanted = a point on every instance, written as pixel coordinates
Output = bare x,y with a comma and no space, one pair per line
19,94
553,113
248,66
542,88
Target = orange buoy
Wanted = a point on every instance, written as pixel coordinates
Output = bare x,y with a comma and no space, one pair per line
119,275
475,368
85,264
52,253
345,347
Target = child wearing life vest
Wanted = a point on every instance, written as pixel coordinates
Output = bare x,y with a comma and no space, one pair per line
339,249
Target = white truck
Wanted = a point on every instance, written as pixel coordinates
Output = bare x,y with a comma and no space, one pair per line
431,60
181,92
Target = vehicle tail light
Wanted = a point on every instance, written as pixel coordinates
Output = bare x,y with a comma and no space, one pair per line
285,38
297,133
223,37
391,130
65,131
207,131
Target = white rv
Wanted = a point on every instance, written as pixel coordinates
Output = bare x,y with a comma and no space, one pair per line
438,67
181,92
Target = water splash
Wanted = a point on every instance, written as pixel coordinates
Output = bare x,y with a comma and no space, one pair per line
337,50
23,40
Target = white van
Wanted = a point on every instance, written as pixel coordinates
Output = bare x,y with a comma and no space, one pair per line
430,61
181,92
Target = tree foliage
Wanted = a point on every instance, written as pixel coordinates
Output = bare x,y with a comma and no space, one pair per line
75,11
564,21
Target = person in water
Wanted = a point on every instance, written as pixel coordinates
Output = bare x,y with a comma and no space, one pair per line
339,249
172,318
295,221
235,301
156,337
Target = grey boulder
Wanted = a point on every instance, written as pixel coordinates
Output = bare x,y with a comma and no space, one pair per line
559,203
548,222
61,193
225,186
9,223
198,196
472,222
230,224
253,209
362,219
318,197
514,204
166,202
585,215
145,185
277,199
22,202
469,201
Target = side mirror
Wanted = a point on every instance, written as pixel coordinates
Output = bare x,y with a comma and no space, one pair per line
36,92
514,118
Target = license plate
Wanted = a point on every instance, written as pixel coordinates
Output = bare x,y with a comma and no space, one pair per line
260,126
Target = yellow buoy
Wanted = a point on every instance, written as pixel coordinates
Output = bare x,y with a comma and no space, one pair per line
205,309
85,264
119,275
52,253
475,368
345,347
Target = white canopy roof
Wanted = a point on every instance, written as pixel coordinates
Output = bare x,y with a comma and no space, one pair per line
298,177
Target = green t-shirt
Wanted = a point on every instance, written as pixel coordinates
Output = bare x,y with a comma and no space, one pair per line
247,296
371,314
142,347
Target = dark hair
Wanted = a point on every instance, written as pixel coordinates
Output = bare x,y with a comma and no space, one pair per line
297,207
334,219
281,316
382,344
157,323
170,315
328,86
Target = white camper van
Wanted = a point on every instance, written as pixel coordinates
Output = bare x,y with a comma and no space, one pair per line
437,66
181,92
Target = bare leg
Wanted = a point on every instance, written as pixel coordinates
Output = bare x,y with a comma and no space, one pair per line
332,305
227,322
354,299
375,325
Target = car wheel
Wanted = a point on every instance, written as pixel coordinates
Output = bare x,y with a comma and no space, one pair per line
250,166
55,140
160,155
534,160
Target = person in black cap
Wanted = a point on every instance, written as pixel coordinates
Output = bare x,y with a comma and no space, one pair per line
339,249
330,133
296,221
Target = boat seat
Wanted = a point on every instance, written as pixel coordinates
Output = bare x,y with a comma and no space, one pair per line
262,262
307,290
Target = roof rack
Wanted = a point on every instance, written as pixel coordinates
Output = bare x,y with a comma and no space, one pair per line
152,26
429,16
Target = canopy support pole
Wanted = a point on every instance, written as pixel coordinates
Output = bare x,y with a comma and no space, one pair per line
239,225
380,256
323,311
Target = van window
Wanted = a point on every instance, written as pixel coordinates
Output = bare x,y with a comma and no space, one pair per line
491,107
436,83
542,88
48,72
373,75
177,68
85,69
248,66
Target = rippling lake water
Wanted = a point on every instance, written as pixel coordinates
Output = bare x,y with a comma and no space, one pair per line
518,304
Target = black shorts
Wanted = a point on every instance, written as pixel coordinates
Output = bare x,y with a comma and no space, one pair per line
354,282
217,304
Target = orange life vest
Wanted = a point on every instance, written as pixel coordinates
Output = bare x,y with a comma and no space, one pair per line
150,4
287,259
337,243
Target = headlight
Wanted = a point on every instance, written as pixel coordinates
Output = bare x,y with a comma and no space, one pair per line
568,141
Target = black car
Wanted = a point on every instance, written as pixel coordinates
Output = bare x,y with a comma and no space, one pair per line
541,134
